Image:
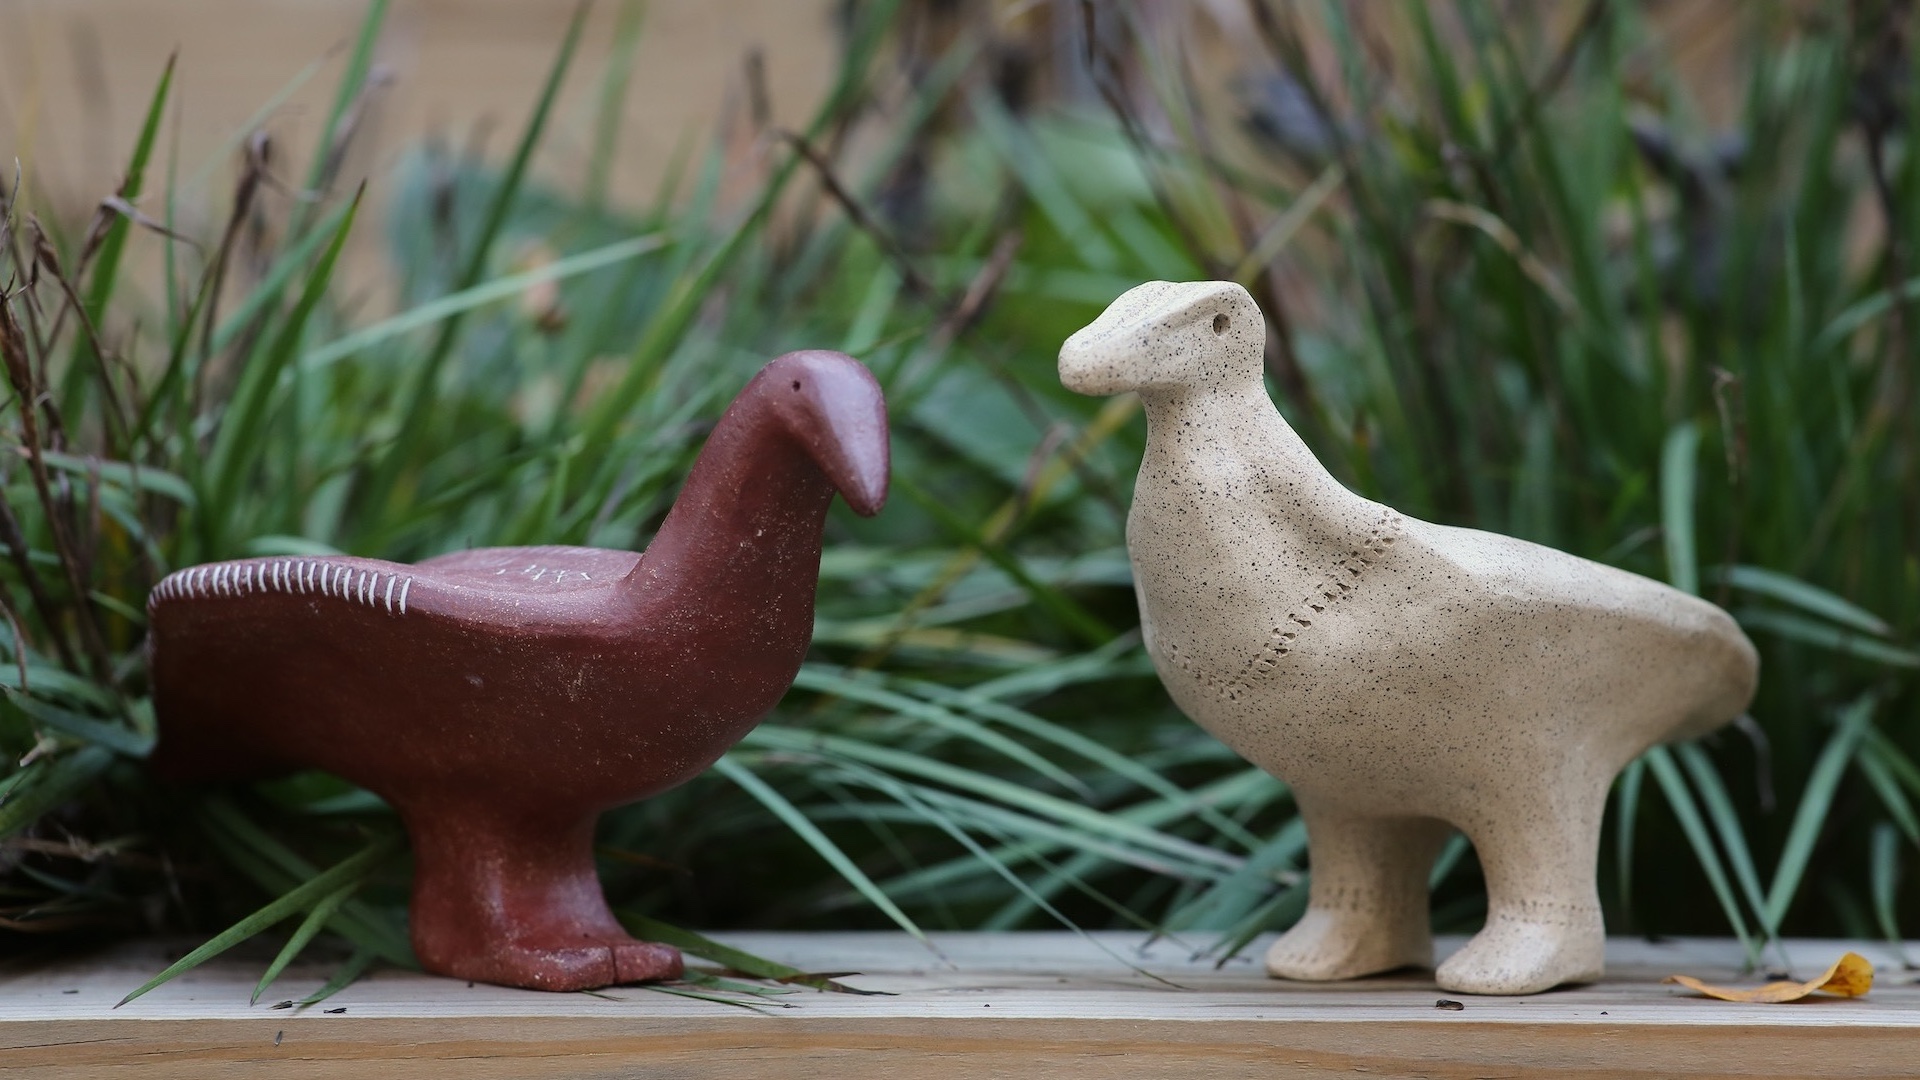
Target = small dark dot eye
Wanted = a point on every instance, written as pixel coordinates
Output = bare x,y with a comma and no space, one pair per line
1219,324
796,384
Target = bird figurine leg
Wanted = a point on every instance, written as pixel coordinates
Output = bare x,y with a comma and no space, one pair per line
1367,906
1538,848
512,898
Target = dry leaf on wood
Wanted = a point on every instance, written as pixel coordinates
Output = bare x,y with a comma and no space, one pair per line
1850,976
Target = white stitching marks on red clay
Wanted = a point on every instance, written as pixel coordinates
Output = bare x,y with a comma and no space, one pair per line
378,589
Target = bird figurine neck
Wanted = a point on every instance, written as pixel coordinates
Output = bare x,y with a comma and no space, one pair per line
1211,428
749,521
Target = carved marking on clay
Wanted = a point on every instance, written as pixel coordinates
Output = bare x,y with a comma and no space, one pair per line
1337,586
376,589
537,572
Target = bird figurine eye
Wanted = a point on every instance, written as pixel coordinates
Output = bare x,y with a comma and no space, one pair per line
1220,324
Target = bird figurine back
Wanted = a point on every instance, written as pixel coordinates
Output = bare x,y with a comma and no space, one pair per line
501,699
1404,678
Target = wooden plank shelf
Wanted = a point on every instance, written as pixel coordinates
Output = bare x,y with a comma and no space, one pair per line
1014,1004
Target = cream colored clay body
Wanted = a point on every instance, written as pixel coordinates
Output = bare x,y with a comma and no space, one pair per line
1404,678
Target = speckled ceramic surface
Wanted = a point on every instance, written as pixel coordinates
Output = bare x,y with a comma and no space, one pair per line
1404,678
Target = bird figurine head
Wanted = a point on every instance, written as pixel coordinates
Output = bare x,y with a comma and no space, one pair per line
831,406
1168,335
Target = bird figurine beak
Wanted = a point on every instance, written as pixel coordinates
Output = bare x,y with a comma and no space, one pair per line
1113,353
862,476
847,432
1082,371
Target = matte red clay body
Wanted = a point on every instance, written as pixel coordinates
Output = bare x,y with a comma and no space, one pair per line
502,698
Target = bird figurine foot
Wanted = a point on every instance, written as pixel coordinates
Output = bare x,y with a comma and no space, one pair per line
515,900
1327,945
1518,955
1367,899
502,699
1404,678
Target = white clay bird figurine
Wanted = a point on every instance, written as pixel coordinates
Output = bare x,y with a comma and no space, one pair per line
1404,678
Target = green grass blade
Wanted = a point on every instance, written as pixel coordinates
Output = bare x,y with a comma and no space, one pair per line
610,107
691,289
104,273
1278,913
1896,762
353,81
49,681
910,798
99,731
414,419
356,966
1249,789
740,960
235,448
651,929
1120,658
1665,773
458,303
1224,903
122,475
1808,598
994,788
1815,801
46,784
169,391
309,927
349,870
279,275
1452,854
1885,865
1873,765
276,868
1853,319
1626,809
712,999
1733,838
1679,458
825,680
1063,607
765,795
735,986
1042,835
1094,751
1827,636
222,154
1014,145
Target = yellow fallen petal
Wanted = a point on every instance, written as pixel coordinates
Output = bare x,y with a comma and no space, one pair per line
1850,976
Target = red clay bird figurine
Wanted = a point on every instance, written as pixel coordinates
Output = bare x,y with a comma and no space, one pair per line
501,699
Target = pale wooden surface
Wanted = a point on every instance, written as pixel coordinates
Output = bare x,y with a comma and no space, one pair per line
1001,1004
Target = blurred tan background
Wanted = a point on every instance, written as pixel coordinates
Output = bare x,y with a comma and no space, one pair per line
76,75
